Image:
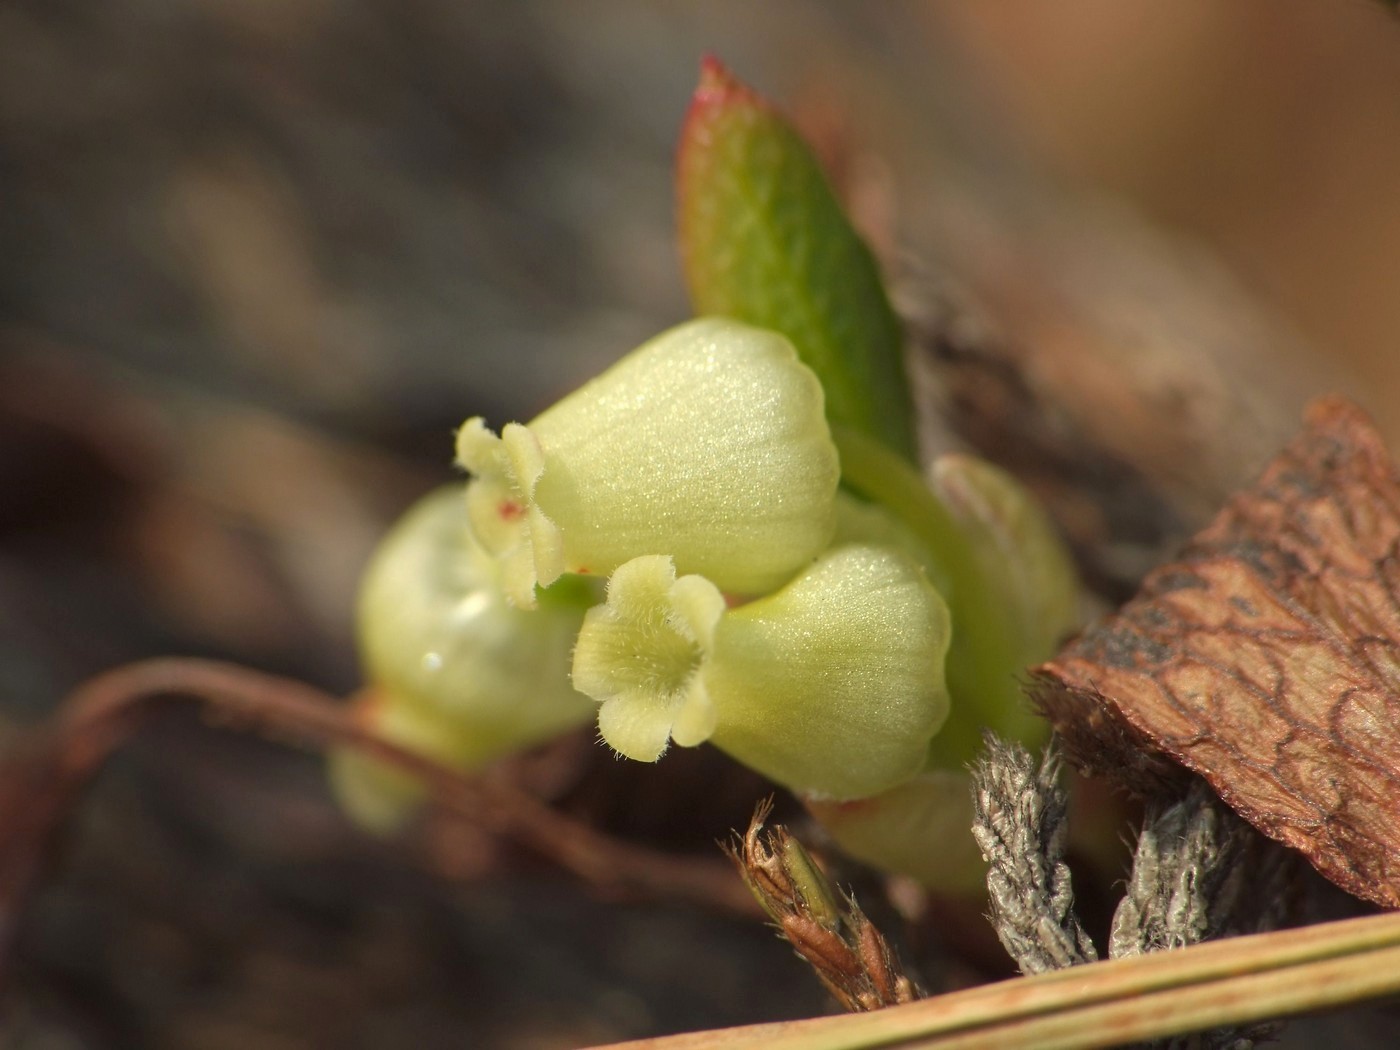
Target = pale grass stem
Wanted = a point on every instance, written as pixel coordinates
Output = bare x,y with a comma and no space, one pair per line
1103,1004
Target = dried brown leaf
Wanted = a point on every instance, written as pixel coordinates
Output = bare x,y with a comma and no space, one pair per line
1267,659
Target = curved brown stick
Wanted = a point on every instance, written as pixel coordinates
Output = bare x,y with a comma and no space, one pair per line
42,780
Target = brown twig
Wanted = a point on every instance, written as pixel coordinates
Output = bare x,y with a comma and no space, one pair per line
42,779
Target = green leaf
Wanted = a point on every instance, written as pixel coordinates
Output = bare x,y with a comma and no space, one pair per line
764,240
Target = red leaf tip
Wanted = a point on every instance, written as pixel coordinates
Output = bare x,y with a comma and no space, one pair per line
718,85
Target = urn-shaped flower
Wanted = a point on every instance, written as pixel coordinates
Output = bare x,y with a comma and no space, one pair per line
832,686
708,444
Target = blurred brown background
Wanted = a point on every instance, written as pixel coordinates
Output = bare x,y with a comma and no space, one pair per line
259,257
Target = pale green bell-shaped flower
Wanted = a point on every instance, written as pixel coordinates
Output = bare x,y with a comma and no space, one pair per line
921,828
709,444
643,654
437,633
831,686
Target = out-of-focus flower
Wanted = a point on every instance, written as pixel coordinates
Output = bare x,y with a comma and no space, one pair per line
436,632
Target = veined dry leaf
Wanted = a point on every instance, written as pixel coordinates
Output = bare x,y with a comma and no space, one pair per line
1267,659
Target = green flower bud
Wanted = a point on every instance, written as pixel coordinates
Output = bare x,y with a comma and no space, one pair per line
437,633
1018,548
831,686
859,521
1027,604
921,828
708,444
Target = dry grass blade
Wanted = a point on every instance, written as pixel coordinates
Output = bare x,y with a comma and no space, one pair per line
849,955
1110,1003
